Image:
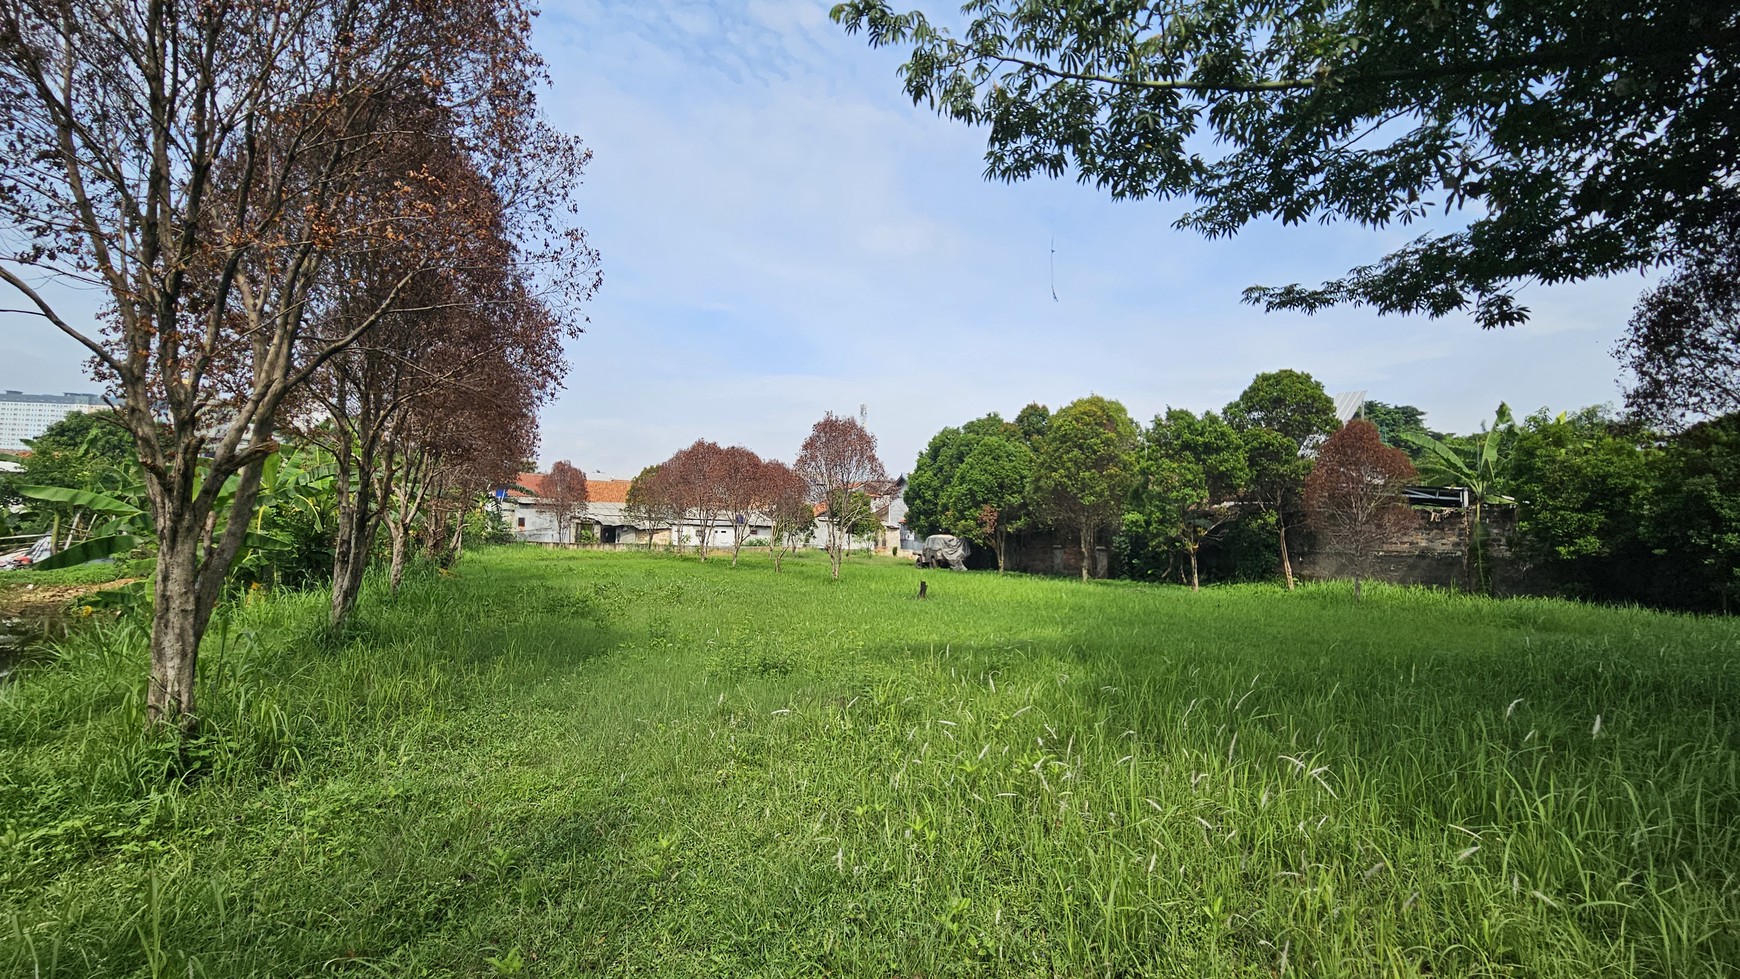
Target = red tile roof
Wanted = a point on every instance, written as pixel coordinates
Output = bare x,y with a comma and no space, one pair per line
608,490
597,490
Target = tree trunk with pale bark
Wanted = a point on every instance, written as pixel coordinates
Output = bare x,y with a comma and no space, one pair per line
1286,563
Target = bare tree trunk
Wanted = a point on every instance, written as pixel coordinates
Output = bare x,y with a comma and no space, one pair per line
1087,550
457,545
350,561
192,565
1286,563
175,631
396,574
354,534
1356,596
1194,583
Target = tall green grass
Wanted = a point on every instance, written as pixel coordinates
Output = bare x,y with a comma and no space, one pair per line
623,764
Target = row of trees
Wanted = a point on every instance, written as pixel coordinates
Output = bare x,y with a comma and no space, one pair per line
79,485
1613,510
1088,469
708,485
1604,507
338,223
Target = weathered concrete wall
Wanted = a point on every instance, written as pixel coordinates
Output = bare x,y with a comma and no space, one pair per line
1432,554
1050,552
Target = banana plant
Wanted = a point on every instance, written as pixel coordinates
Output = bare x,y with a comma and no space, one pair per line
1478,468
119,522
117,525
292,480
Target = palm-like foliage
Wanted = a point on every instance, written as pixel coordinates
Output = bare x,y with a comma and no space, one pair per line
1478,468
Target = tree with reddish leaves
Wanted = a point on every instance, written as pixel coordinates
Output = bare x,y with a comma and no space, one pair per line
466,317
743,487
651,502
836,461
202,164
788,506
457,440
565,492
1354,497
693,481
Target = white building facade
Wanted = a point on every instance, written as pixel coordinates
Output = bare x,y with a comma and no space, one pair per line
25,416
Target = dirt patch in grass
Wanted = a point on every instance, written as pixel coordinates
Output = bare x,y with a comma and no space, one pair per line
23,600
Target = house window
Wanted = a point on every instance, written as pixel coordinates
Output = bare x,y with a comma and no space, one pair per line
521,522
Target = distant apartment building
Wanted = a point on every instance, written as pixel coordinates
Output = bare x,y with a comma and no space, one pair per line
25,416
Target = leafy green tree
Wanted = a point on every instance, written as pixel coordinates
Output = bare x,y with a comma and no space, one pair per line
1032,421
1578,139
934,472
1478,468
987,500
1190,470
1290,402
1084,468
1282,415
1693,514
83,450
1683,341
1393,420
1582,482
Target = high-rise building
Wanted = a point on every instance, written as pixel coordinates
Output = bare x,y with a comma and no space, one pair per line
25,416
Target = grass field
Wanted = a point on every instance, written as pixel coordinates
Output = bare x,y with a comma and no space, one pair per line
560,764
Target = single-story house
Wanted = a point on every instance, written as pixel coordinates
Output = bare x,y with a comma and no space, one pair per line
890,508
606,517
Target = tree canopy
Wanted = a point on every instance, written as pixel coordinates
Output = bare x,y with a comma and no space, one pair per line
1084,468
1353,496
1577,139
1191,468
1280,416
988,496
1683,341
929,495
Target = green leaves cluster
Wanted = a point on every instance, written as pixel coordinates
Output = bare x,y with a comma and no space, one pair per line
1192,469
81,484
973,481
1614,512
1576,140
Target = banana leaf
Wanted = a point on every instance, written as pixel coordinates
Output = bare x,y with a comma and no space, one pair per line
95,549
84,498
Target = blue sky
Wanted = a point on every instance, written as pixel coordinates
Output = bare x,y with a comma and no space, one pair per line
783,233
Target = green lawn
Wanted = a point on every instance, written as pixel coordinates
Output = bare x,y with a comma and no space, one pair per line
566,764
